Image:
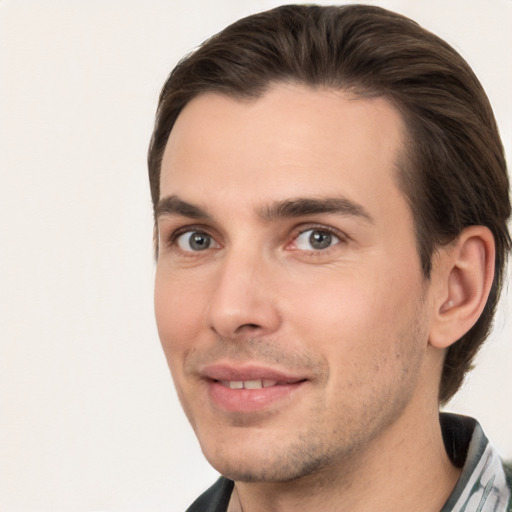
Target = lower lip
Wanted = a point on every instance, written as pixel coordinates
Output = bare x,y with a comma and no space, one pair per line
250,400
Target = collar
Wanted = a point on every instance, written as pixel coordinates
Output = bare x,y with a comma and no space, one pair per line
482,485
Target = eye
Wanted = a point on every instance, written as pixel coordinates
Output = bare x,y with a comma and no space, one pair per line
194,241
316,240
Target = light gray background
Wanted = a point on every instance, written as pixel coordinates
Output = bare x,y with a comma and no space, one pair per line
88,416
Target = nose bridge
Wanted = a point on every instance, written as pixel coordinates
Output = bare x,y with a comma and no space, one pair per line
242,298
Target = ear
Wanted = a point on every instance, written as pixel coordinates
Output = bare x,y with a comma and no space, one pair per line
462,278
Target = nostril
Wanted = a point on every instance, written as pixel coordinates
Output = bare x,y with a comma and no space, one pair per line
248,327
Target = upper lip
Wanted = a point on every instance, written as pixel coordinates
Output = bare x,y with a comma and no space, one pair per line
245,372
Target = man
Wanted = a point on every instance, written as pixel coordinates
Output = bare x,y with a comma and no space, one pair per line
330,198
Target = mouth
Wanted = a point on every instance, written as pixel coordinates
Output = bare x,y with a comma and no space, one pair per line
250,389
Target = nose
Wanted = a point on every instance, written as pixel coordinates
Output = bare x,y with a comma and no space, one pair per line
244,300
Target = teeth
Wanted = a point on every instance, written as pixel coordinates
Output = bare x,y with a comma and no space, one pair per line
249,384
253,384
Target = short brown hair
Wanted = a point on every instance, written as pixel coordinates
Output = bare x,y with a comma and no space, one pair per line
453,171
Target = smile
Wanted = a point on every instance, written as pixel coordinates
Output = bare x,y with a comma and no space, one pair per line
250,388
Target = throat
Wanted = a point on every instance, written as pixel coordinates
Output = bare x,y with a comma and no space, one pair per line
234,502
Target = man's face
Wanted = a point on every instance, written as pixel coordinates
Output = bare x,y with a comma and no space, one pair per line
289,296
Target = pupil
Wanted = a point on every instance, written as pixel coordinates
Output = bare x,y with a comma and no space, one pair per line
199,241
320,239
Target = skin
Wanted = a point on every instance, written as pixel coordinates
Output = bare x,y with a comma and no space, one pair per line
355,320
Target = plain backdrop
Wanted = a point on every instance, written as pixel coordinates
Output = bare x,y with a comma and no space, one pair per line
89,420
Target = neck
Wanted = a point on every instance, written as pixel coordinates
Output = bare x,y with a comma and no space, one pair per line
406,468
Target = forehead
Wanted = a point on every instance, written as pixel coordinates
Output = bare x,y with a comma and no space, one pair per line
292,141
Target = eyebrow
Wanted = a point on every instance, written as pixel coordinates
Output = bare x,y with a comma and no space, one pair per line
174,206
304,206
288,208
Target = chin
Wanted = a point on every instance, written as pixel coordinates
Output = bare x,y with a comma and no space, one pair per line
270,461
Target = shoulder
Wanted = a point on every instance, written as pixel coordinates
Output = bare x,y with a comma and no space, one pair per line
214,499
507,466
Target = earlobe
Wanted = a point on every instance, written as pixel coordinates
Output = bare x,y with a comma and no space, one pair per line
464,273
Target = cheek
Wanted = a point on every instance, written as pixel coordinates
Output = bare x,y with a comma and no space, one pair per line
373,340
340,304
178,312
358,320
